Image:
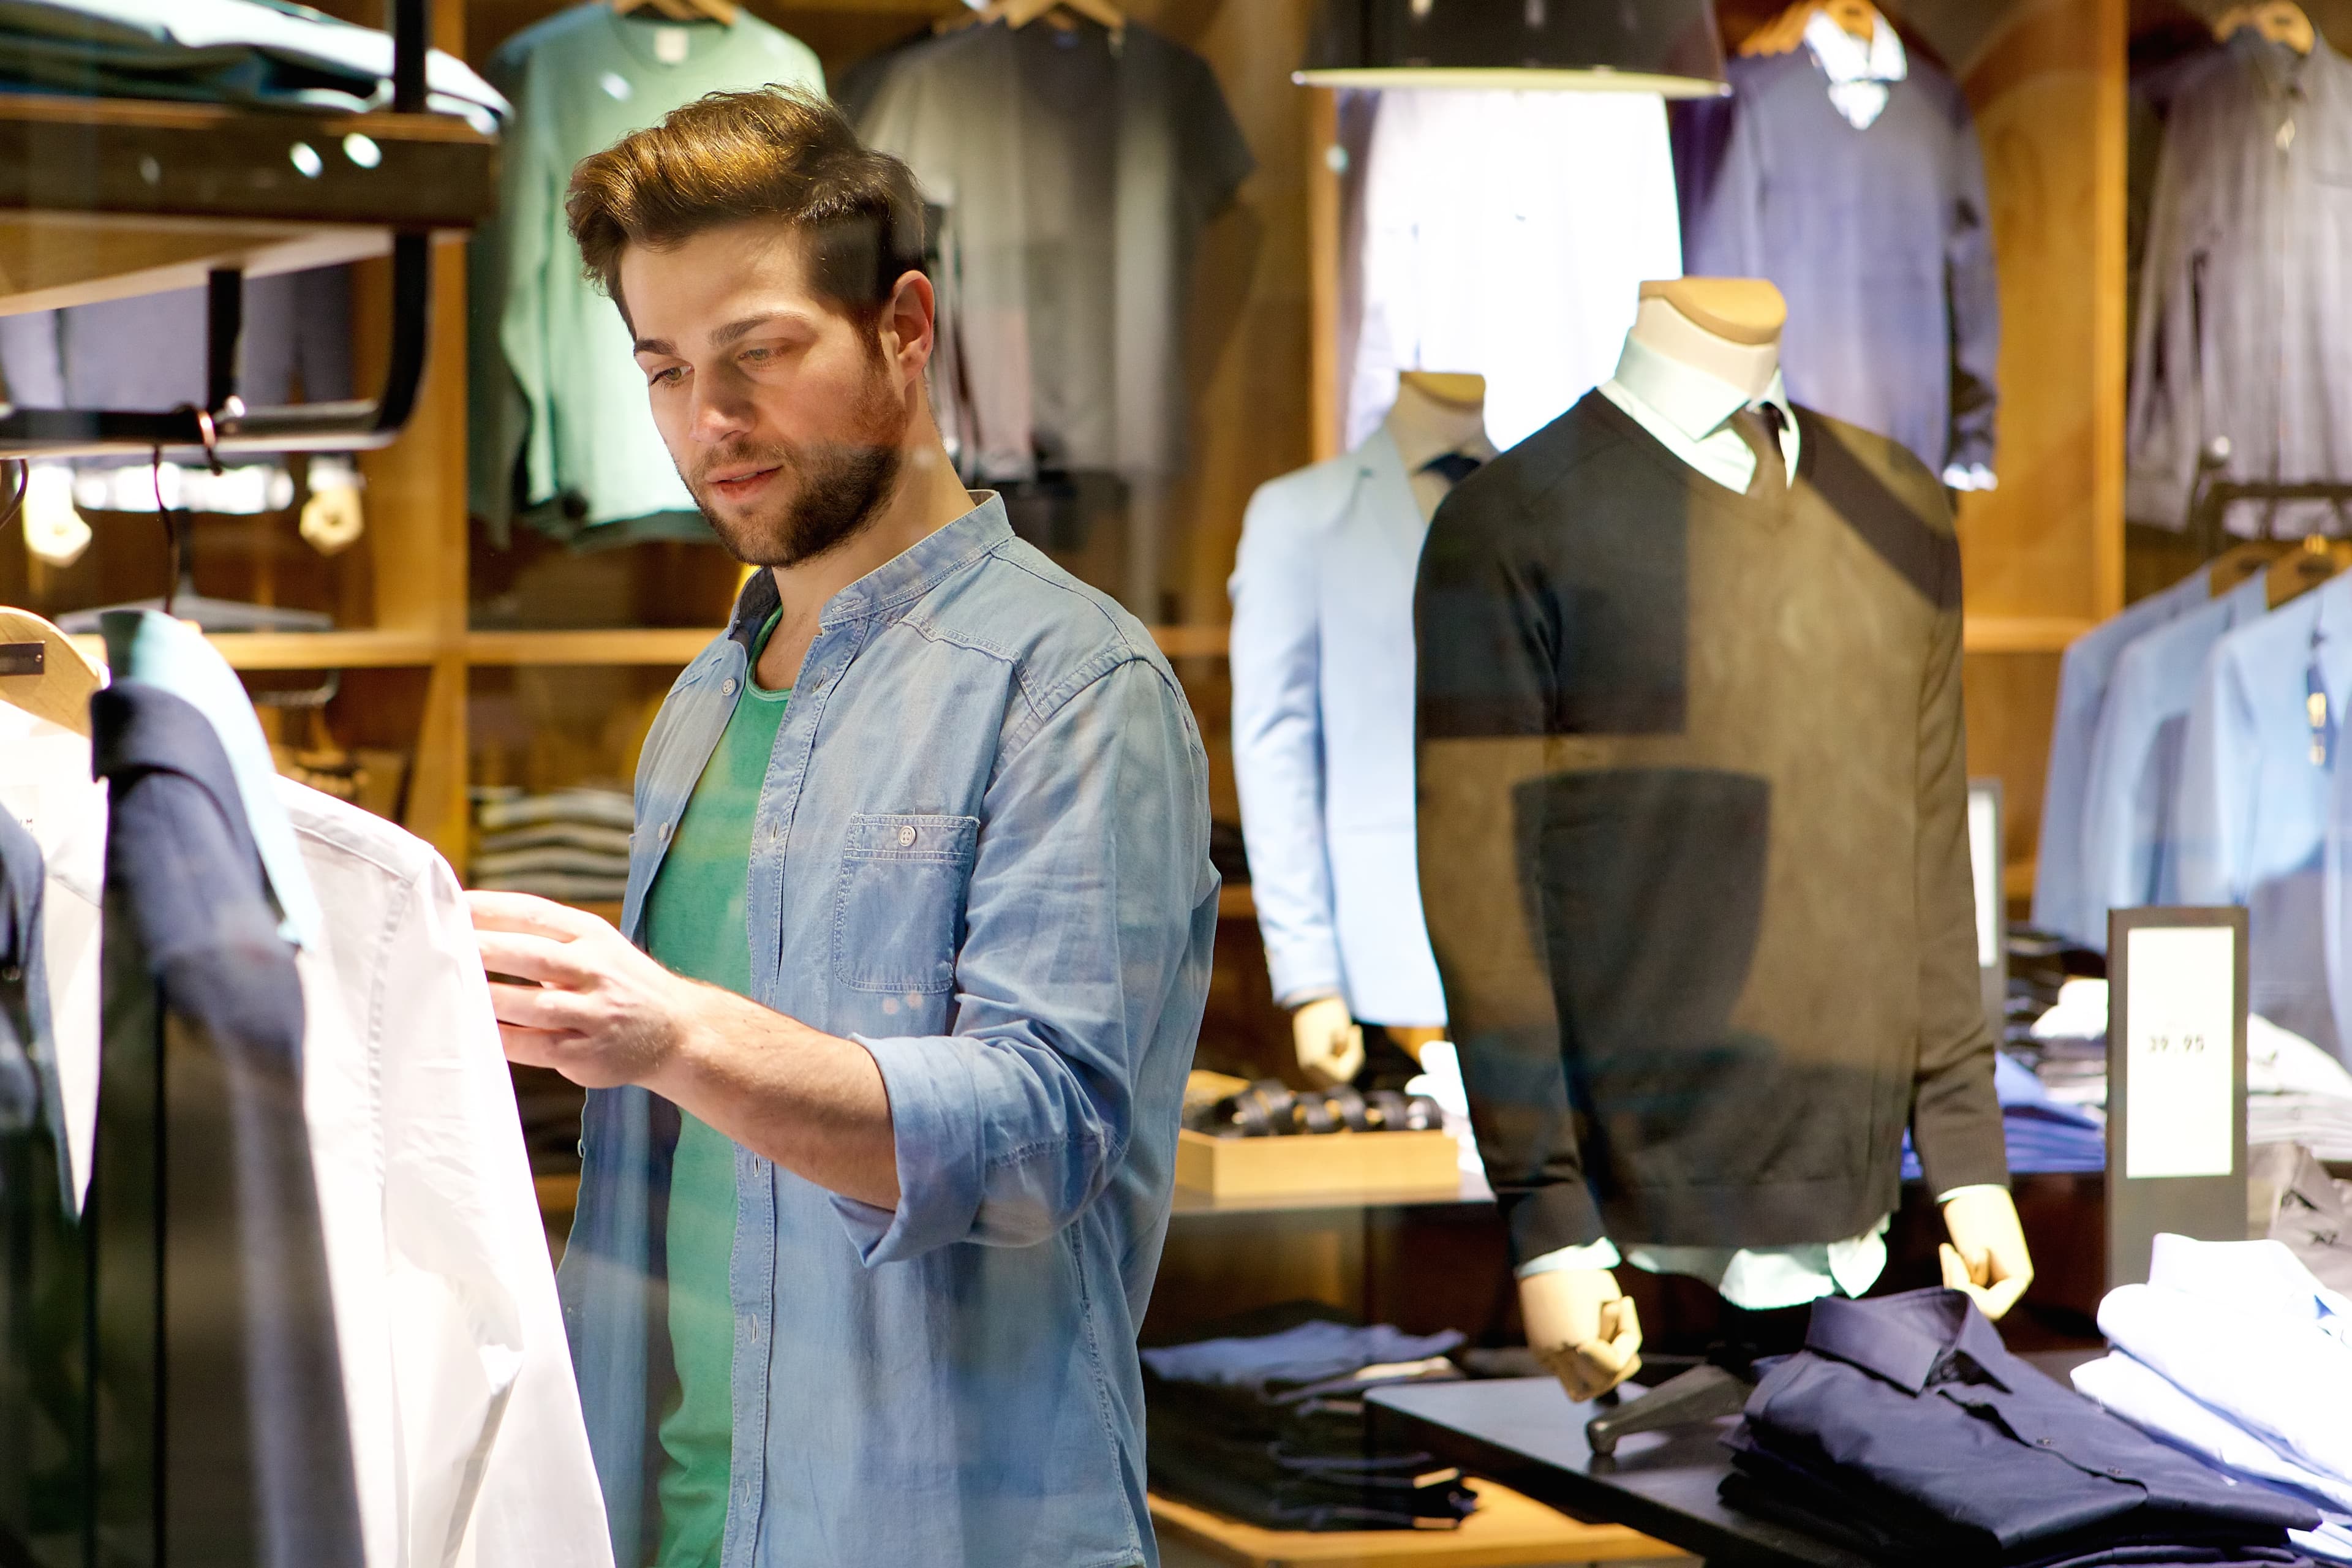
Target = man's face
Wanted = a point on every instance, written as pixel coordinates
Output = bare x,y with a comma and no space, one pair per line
785,417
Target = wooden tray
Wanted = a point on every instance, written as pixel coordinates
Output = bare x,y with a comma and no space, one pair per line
1327,1163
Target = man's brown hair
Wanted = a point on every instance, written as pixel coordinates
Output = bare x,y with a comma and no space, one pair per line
776,152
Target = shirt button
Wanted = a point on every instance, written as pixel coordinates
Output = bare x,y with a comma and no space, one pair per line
663,832
11,974
727,687
906,838
2044,1441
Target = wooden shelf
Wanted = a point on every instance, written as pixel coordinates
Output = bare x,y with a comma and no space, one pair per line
308,650
1508,1529
2021,634
629,645
1236,902
101,198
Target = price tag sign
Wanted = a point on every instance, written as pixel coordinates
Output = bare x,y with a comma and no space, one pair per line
2176,1080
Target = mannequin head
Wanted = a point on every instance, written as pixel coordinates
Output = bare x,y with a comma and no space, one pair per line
1727,327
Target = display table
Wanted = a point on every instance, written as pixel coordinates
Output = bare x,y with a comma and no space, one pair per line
1508,1529
1525,1433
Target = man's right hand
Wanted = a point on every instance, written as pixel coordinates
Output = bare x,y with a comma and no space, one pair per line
1582,1327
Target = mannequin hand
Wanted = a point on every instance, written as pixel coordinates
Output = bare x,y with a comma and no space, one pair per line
54,531
1985,1256
332,518
1582,1327
1331,1046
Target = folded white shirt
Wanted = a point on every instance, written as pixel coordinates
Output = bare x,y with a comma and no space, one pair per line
2242,1328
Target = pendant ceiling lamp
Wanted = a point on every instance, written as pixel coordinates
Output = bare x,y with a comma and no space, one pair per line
1666,47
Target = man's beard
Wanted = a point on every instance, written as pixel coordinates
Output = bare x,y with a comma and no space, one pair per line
836,488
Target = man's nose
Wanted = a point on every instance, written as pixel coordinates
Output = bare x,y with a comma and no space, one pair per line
721,411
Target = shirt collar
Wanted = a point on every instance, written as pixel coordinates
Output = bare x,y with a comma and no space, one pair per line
900,580
171,656
1846,58
1904,1339
1693,402
1416,448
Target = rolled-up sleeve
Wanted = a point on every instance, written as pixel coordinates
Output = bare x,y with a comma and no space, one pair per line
1091,872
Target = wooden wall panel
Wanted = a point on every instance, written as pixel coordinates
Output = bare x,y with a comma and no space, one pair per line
2048,93
2048,88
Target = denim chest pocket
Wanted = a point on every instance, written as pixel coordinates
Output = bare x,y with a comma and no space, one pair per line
898,913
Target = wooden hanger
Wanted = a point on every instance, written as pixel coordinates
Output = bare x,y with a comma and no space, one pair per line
722,11
2305,567
1787,30
2240,561
59,689
1020,13
2279,21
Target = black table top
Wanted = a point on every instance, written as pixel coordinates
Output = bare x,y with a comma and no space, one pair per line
1527,1434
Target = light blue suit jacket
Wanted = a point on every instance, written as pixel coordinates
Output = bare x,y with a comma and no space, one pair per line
1323,737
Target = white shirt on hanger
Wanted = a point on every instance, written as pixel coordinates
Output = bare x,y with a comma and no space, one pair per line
1507,234
466,1434
1861,72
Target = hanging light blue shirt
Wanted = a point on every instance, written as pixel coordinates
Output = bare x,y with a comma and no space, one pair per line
2066,896
982,852
2133,774
2251,816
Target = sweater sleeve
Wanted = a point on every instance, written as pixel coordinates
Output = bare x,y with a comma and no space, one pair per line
1486,680
1954,1117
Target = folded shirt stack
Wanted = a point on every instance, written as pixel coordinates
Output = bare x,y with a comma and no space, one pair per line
570,844
2232,1351
2295,1092
2043,1133
256,52
1906,1431
1269,1428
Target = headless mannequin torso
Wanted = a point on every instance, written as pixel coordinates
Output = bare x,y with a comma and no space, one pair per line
1579,1323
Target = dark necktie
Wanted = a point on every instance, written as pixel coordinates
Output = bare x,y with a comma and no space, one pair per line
1761,427
1452,466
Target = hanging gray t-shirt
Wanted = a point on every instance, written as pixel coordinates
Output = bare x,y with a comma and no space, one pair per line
1073,176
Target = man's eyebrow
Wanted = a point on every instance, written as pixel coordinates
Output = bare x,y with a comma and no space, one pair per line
735,331
654,346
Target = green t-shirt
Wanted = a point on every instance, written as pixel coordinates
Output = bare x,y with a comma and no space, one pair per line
697,925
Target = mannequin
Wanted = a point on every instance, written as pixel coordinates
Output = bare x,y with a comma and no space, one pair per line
1579,1323
1322,660
1442,411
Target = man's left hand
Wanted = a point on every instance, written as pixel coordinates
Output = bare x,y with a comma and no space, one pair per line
592,1006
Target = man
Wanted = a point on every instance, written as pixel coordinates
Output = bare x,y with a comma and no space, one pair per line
881,1146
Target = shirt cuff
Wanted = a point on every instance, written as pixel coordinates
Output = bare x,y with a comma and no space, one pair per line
1944,1197
1602,1254
936,1149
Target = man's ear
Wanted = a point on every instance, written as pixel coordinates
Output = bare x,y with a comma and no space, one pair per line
911,318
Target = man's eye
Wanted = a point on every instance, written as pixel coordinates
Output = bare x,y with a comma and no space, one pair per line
666,377
758,356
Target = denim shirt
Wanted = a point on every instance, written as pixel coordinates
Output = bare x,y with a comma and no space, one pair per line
983,853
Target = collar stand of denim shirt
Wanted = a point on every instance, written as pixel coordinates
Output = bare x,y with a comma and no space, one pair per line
900,581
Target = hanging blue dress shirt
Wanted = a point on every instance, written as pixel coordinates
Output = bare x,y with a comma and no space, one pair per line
2063,897
2252,815
2134,763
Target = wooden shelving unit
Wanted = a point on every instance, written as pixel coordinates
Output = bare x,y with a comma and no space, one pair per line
102,198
